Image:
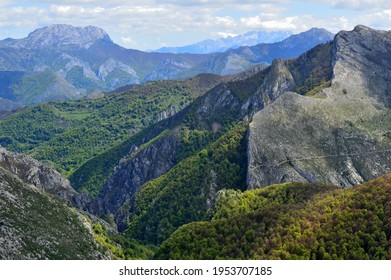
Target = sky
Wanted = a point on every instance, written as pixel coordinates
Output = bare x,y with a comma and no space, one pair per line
151,24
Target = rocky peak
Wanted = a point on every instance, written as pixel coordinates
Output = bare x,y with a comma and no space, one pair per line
32,172
314,35
340,139
60,35
362,63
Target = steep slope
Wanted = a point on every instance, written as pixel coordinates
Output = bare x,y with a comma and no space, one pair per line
341,138
35,223
40,217
291,221
31,171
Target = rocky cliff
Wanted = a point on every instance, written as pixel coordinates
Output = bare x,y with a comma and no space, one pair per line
33,172
35,222
143,164
341,137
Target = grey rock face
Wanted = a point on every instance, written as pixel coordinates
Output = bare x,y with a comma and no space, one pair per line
59,35
141,166
362,63
171,111
35,226
277,82
110,65
35,173
340,139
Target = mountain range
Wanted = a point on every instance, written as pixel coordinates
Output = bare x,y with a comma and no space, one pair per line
62,62
288,161
251,38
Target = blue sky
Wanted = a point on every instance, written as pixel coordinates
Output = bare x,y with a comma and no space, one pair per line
151,24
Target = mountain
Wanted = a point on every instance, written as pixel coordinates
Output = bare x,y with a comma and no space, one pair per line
62,62
41,218
236,60
195,172
251,38
65,62
342,137
59,36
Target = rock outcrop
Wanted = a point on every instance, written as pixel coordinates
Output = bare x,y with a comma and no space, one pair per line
342,138
142,164
33,172
35,223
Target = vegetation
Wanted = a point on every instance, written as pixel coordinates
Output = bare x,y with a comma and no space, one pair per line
187,192
119,247
199,209
243,89
69,133
312,71
89,178
40,227
292,221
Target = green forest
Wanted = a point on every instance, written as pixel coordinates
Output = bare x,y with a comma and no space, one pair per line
291,221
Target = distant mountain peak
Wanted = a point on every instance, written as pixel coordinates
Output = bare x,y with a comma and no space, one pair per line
59,35
250,38
308,37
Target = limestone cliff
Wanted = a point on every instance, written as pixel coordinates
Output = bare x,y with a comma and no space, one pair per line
342,138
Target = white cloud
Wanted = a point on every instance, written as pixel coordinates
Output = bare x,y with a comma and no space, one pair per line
225,21
140,23
284,23
127,40
223,35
